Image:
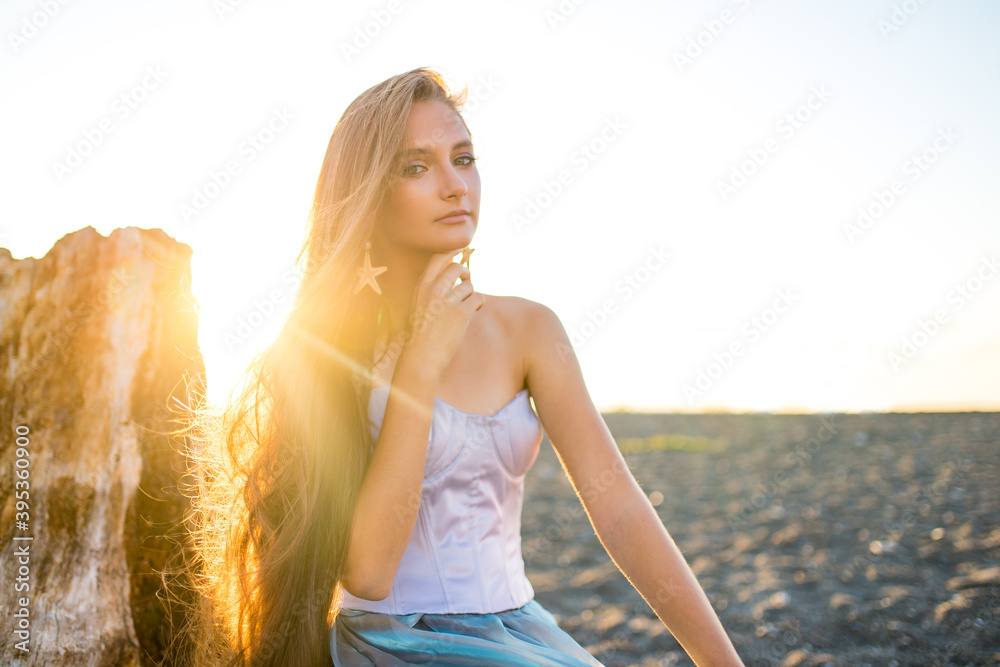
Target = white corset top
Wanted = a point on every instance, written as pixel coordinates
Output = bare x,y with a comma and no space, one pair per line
464,555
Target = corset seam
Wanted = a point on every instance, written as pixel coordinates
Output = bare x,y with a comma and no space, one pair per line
506,535
447,467
426,526
504,426
471,508
475,528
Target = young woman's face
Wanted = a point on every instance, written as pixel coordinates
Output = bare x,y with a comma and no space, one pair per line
438,176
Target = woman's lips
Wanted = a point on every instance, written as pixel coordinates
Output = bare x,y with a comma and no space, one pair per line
454,219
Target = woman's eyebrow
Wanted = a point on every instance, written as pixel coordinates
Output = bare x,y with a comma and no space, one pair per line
461,144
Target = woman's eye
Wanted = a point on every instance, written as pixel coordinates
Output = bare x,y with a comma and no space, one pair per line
462,161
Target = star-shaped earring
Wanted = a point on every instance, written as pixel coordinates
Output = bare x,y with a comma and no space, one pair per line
367,272
466,254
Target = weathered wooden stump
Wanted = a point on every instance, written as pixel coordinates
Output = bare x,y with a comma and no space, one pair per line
98,358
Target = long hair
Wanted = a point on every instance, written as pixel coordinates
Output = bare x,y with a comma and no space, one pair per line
278,469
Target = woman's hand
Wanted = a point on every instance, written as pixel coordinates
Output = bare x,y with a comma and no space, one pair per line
439,313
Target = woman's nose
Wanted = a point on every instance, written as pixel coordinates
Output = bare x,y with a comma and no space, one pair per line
454,184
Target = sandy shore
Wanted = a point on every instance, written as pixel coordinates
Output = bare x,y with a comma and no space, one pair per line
820,540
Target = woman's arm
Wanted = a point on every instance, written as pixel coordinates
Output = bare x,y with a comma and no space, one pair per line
625,522
646,554
389,498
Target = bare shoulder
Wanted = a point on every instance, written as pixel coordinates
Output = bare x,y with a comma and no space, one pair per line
535,333
519,316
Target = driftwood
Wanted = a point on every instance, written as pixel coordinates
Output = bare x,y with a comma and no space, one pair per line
98,354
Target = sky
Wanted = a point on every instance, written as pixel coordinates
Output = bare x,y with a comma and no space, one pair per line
752,205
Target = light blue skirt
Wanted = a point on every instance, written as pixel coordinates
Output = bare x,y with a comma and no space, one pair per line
526,636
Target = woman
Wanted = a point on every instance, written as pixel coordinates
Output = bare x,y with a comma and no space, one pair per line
366,504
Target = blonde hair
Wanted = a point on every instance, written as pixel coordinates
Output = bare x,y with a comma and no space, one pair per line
279,468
